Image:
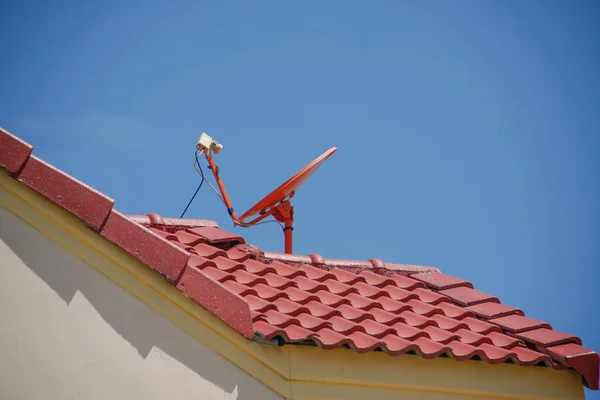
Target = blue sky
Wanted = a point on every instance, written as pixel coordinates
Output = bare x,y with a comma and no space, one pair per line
468,132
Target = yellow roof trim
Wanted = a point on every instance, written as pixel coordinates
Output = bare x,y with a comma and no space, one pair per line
295,372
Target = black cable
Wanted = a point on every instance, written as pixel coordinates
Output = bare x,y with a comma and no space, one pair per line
199,186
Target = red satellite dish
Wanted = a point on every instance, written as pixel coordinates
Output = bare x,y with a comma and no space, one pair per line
289,187
277,203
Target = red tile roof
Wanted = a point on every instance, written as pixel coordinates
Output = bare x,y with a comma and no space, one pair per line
279,298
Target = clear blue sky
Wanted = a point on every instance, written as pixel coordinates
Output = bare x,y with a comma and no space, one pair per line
468,132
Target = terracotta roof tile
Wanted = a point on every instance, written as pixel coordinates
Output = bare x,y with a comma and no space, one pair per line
547,337
14,152
223,263
489,310
419,321
346,277
405,282
454,311
74,196
362,305
466,296
518,323
205,250
439,281
583,360
216,235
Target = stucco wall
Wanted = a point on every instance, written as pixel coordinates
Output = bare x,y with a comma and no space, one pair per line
67,332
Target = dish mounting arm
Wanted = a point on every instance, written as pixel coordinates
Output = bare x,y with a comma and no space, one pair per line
282,211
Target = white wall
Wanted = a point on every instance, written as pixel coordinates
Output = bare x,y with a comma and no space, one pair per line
67,332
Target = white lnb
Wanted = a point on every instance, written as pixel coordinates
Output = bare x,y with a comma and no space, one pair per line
208,145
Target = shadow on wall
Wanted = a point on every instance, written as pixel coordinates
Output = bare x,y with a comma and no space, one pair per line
133,320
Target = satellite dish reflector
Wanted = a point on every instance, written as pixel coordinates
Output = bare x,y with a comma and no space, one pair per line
276,204
289,187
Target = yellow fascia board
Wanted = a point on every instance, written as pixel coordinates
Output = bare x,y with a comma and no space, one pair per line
295,372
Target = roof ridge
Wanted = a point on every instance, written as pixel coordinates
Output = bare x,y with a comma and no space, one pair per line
373,264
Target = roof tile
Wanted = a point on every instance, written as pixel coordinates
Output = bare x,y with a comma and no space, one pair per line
278,282
490,310
453,311
339,288
464,351
206,250
547,337
74,196
313,323
260,305
376,280
423,308
396,293
283,269
246,278
518,323
223,263
466,296
526,356
301,296
216,274
363,342
392,305
502,340
240,289
268,293
320,310
292,333
475,339
289,307
583,360
420,321
354,314
362,302
345,327
405,282
200,262
14,152
395,345
219,300
187,238
258,268
376,329
441,281
384,316
316,274
408,332
496,355
440,335
238,254
429,348
479,326
346,277
151,249
429,296
217,235
330,299
449,324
